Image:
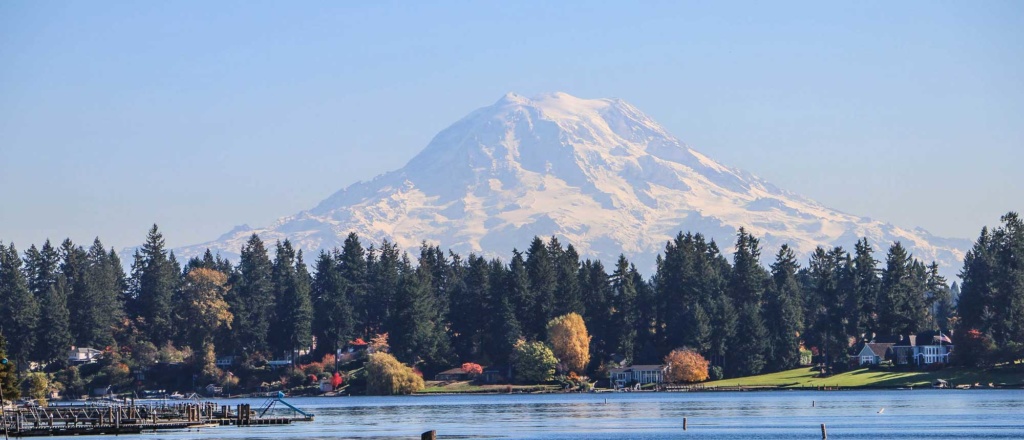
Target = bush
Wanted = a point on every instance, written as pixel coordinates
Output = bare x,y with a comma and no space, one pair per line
533,362
314,368
716,373
386,376
686,365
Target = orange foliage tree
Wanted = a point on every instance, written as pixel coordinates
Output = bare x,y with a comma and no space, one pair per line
570,341
473,369
686,365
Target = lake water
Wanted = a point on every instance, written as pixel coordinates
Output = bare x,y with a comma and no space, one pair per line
917,414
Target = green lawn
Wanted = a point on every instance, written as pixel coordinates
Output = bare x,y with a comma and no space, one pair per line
881,378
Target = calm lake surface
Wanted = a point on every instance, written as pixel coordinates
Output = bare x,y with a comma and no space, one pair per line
917,414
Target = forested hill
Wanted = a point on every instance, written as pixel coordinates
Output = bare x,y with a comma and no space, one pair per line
747,309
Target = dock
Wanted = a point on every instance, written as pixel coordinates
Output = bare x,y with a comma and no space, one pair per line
130,418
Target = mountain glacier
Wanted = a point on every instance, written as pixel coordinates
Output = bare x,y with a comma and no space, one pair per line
596,173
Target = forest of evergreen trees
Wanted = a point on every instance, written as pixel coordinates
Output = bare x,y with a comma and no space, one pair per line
445,309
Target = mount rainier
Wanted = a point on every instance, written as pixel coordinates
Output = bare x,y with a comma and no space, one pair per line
596,173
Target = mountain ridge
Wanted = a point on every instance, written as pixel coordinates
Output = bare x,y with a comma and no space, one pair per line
598,173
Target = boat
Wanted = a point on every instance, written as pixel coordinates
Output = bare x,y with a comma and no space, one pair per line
176,396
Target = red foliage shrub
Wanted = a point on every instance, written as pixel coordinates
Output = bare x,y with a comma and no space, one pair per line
471,368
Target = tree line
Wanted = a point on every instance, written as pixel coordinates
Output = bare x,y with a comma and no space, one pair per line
444,309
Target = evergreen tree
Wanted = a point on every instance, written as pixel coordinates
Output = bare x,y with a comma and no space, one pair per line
53,342
49,288
471,308
377,295
902,305
646,347
520,294
569,298
600,311
353,266
939,297
830,284
747,283
713,280
334,322
41,269
626,314
976,301
1008,286
749,343
503,329
746,287
157,281
540,269
292,324
418,335
783,313
18,306
864,294
251,299
100,308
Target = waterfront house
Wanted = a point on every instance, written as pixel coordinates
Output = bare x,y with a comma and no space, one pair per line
921,350
83,355
452,374
873,353
639,374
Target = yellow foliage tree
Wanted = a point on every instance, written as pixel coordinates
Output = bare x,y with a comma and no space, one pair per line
686,365
386,376
570,341
203,308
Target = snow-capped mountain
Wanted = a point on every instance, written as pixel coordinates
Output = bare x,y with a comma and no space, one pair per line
597,173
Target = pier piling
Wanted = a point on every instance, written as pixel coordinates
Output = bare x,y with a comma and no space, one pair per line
824,435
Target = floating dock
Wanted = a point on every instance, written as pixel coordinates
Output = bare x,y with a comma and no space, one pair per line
129,418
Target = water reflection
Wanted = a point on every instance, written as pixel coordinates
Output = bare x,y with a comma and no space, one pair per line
938,414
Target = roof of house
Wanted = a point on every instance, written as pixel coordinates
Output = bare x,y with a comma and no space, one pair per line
647,367
878,349
637,368
458,370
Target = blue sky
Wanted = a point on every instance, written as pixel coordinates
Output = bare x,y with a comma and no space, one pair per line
199,116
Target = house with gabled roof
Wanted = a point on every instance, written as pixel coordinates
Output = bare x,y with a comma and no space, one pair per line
641,374
873,353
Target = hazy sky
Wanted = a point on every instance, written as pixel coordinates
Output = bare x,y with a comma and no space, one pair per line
199,116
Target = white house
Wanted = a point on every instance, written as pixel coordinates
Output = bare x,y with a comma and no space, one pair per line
873,353
642,374
909,352
83,355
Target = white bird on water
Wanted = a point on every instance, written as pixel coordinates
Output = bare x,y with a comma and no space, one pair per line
881,410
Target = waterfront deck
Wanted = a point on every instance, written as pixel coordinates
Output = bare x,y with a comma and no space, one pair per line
129,418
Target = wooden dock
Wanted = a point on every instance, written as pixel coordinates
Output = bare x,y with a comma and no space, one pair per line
129,418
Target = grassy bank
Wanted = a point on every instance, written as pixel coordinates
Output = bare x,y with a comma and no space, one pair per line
467,387
878,378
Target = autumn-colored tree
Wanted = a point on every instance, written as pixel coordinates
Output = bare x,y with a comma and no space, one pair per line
686,365
38,386
378,343
472,369
336,380
202,308
386,376
533,361
570,341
